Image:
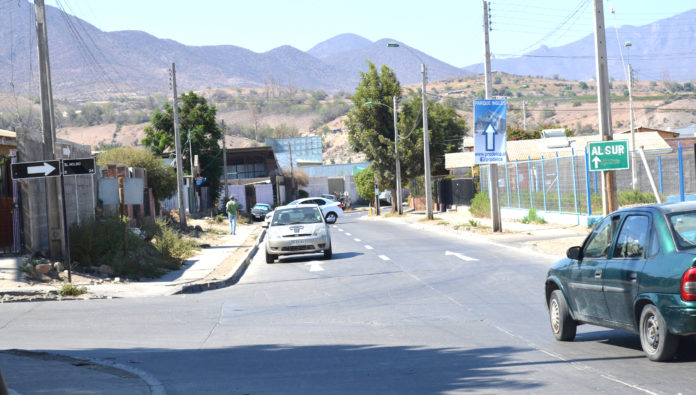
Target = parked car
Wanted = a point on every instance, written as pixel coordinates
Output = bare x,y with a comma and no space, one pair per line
297,229
331,209
636,271
329,197
260,210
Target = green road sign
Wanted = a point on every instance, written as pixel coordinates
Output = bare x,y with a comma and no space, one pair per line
608,155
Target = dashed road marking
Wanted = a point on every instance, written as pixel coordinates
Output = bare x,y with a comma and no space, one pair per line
384,257
369,247
348,234
357,240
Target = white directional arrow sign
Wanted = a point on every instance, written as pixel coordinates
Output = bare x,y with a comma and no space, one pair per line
315,266
461,256
45,168
596,161
490,133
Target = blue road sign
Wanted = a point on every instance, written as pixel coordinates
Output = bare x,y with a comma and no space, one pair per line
490,131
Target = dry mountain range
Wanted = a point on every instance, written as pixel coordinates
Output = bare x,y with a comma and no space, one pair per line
88,63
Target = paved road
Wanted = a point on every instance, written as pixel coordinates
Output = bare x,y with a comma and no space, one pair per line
397,310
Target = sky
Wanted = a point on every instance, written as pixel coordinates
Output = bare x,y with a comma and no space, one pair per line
450,30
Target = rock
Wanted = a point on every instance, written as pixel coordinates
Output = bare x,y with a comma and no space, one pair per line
58,266
198,228
44,278
117,279
106,270
43,268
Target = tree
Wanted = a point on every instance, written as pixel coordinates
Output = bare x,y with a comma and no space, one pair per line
161,179
371,129
196,120
364,183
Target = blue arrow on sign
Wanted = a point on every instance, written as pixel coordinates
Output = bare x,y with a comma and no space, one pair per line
490,133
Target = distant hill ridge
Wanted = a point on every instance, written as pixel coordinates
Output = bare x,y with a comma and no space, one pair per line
98,64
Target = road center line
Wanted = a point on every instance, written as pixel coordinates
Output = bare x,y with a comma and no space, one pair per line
357,240
384,257
369,247
348,234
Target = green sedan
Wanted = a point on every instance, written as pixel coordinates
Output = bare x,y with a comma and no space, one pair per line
636,271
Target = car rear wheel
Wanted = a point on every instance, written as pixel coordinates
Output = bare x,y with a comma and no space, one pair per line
658,344
331,218
563,325
270,258
328,253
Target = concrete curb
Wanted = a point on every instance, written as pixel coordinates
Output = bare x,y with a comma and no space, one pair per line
155,386
233,277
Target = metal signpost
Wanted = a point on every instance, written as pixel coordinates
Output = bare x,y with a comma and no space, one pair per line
608,155
55,168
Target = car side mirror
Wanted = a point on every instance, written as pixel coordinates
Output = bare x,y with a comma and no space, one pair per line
574,253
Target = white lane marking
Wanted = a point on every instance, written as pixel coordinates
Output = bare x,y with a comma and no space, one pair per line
348,234
315,266
369,247
384,257
358,240
340,230
460,256
635,387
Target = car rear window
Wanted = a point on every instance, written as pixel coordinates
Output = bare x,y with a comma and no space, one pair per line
300,215
261,206
684,229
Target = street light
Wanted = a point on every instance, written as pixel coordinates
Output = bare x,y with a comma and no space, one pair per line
426,139
396,153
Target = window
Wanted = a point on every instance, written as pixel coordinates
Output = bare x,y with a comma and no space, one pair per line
633,237
598,246
684,229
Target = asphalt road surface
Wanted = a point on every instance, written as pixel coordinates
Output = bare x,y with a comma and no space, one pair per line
397,310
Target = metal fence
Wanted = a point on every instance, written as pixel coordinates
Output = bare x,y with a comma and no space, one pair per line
566,184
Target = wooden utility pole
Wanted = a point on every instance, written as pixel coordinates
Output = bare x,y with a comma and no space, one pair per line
177,145
224,158
609,200
54,196
493,168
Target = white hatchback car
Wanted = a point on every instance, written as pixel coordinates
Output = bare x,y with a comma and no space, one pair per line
297,229
331,209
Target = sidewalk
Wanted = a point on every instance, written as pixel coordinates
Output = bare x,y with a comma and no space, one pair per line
194,270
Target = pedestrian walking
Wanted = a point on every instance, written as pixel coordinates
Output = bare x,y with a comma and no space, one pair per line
232,211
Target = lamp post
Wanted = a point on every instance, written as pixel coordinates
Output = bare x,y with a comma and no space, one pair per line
634,174
426,139
396,152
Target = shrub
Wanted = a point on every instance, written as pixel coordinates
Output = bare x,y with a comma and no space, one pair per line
70,289
220,218
170,245
480,205
533,217
635,197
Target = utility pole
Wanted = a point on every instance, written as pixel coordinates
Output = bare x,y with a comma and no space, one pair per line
524,115
398,163
493,168
609,200
177,145
224,158
636,180
292,174
426,150
54,197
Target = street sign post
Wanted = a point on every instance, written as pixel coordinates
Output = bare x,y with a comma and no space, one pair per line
608,155
78,166
46,168
490,131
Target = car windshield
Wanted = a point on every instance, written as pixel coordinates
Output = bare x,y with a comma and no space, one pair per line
684,228
261,206
300,215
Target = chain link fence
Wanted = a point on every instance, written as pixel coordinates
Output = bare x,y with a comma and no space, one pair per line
566,185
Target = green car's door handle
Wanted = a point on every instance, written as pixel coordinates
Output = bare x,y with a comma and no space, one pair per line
598,273
633,276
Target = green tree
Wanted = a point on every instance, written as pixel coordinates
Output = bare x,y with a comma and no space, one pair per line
364,183
161,179
371,128
197,122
